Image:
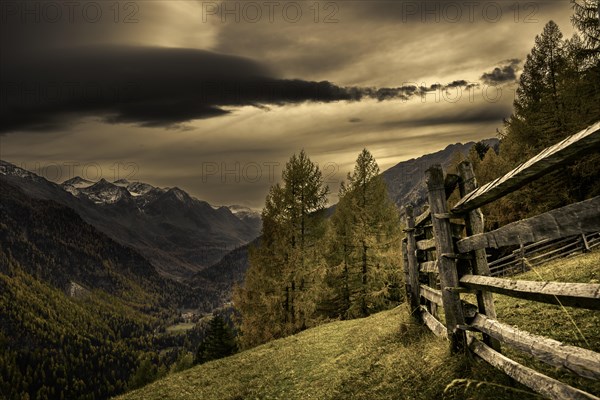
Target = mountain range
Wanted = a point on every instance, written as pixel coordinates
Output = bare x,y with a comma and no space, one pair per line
179,234
406,182
187,239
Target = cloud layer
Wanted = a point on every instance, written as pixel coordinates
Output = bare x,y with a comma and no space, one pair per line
157,87
506,72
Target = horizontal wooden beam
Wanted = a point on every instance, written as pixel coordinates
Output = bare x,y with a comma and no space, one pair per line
422,218
433,324
574,219
426,244
586,141
560,250
542,384
429,267
584,295
432,295
583,362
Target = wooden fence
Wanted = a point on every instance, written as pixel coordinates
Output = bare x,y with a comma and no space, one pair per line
534,254
444,255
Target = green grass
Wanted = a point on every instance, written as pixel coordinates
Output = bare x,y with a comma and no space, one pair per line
181,327
385,356
574,326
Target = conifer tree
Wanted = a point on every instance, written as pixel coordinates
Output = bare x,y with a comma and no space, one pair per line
558,95
283,283
364,268
586,18
539,119
218,343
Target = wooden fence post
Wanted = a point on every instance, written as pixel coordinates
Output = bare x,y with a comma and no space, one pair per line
412,264
522,255
585,248
474,225
431,276
446,257
406,269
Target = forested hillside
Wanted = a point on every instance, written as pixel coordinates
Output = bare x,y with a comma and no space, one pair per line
558,95
79,313
106,287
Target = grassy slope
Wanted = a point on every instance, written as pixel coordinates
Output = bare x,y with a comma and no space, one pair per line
384,356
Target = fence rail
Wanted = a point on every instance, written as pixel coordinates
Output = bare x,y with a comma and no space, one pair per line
573,147
543,251
441,262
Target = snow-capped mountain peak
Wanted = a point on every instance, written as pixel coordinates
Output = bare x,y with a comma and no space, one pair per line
78,183
9,169
104,192
180,195
122,182
140,188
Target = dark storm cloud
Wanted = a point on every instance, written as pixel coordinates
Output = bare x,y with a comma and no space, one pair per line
149,86
507,72
156,87
408,91
483,114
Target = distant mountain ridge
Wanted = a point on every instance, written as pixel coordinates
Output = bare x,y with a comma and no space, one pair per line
51,242
406,180
179,234
189,239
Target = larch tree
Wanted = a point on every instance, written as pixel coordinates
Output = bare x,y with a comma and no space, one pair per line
558,95
586,18
365,238
281,288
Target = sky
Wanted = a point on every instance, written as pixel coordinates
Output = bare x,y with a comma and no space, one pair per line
214,97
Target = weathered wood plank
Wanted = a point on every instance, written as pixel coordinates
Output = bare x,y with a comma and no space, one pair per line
499,269
447,266
429,267
406,272
574,219
583,362
433,324
474,226
501,260
432,278
542,384
422,218
554,257
412,263
584,295
586,141
430,294
584,243
550,243
426,244
561,250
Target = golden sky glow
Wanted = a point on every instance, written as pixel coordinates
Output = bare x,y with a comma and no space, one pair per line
364,45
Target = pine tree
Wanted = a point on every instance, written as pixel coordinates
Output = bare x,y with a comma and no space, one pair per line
481,148
364,238
558,95
218,343
586,18
539,119
282,285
